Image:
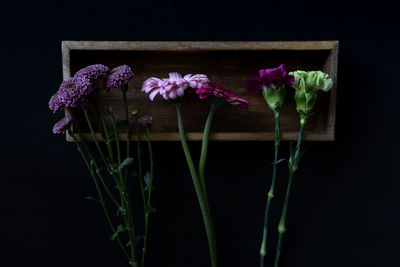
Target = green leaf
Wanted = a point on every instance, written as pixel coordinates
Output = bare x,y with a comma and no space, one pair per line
146,179
126,163
150,209
134,112
121,211
120,229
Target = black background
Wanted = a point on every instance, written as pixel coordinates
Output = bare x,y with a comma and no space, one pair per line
343,210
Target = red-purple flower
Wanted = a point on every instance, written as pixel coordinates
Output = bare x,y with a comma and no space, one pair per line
119,77
220,93
62,125
269,78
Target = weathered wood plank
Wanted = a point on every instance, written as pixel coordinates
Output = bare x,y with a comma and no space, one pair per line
229,63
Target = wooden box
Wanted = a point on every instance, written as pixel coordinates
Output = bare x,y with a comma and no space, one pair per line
229,63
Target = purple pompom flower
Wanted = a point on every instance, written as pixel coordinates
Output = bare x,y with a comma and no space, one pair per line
218,92
145,120
74,92
119,77
269,78
55,103
95,73
61,126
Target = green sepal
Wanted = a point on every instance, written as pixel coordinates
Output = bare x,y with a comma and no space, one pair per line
274,97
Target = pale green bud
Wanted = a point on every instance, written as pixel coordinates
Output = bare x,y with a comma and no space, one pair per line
306,84
274,97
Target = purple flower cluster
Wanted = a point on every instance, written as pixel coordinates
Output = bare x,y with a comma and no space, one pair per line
95,73
55,103
145,120
62,125
74,92
269,78
119,77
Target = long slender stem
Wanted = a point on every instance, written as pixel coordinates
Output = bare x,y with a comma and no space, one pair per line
199,192
271,190
147,210
282,222
125,204
85,112
98,170
140,168
99,193
204,146
128,131
293,164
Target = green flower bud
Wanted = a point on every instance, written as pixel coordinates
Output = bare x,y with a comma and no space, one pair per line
306,84
274,97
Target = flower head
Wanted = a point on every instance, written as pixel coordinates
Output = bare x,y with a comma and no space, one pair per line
272,84
145,120
196,81
55,103
306,85
269,78
95,73
62,125
119,77
174,86
219,93
74,92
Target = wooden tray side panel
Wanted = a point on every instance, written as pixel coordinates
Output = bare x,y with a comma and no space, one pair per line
231,64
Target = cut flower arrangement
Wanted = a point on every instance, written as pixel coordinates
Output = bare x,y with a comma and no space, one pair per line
112,167
124,166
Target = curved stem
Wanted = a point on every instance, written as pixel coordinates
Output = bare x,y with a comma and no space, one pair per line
204,146
293,164
125,203
85,112
199,192
98,170
140,168
282,222
147,210
271,190
99,193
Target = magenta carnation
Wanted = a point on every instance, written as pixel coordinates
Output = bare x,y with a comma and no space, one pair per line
74,92
95,73
62,125
119,77
217,91
145,120
271,78
55,103
174,86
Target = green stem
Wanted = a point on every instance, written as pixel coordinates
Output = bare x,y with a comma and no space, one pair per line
140,168
293,164
98,170
147,210
204,146
125,203
98,192
271,190
199,192
282,222
85,112
128,133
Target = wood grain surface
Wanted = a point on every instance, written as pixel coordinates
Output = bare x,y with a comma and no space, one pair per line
229,63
